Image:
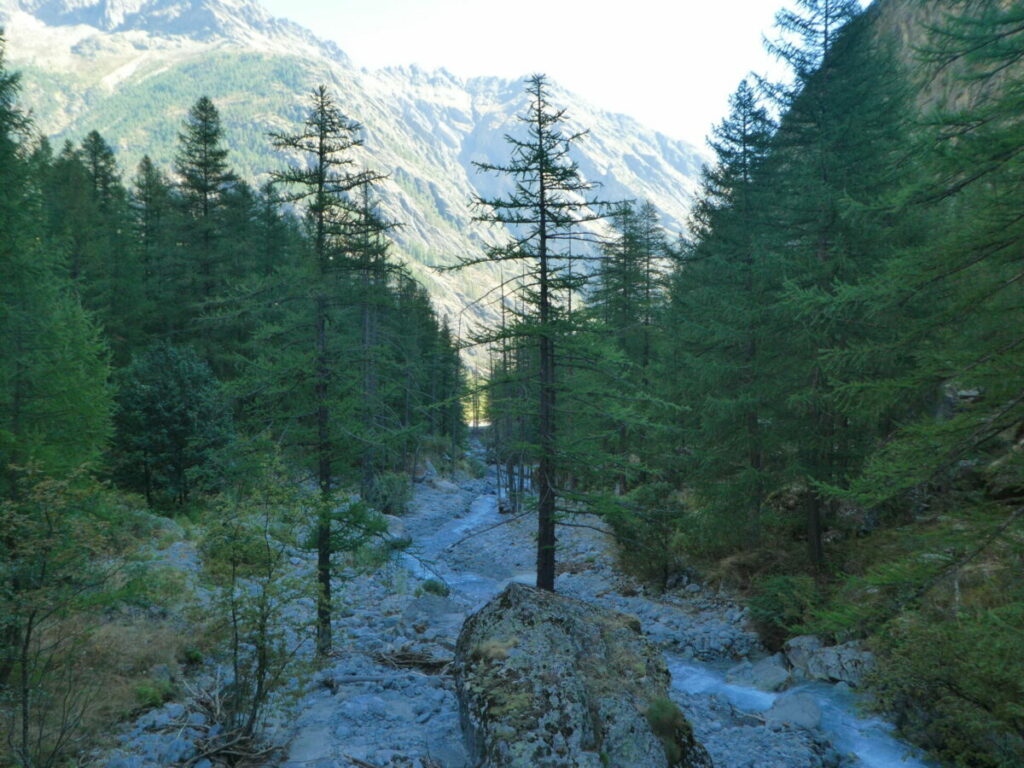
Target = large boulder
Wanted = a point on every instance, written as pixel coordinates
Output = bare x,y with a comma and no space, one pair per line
545,680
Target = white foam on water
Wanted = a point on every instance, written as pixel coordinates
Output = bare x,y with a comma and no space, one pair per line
870,740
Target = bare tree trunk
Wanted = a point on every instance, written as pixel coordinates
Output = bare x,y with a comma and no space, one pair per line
816,549
369,457
323,531
545,485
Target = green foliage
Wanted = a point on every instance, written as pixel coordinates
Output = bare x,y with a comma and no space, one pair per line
152,693
173,422
435,587
246,555
956,683
54,401
58,576
390,493
650,525
720,352
671,727
781,604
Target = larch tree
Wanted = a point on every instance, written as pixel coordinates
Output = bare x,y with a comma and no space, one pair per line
54,418
546,210
54,400
718,356
152,223
204,179
956,298
304,336
836,154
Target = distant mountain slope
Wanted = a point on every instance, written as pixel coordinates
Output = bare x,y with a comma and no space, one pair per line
132,68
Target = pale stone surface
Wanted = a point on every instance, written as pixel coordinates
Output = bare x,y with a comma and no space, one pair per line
797,709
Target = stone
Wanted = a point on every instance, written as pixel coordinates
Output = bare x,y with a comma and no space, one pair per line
798,709
846,663
445,486
396,526
768,674
799,650
545,680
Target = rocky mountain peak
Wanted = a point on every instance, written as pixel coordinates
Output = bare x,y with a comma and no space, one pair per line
242,21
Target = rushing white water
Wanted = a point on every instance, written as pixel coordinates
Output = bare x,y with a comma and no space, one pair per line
869,739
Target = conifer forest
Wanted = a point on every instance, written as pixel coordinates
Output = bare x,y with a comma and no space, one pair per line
744,492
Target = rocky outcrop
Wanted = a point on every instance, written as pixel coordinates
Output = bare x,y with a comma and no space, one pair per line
811,660
545,680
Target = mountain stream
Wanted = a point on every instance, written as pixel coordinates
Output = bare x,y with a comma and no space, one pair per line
385,699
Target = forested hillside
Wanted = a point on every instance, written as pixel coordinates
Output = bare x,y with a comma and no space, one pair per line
815,398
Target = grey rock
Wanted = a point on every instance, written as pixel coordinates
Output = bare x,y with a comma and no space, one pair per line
798,709
445,486
800,649
846,663
545,680
768,674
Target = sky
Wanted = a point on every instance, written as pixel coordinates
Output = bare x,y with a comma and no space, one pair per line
671,64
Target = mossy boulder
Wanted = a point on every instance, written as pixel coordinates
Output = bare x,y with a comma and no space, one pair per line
545,680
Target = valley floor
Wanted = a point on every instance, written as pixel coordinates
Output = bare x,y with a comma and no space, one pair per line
385,698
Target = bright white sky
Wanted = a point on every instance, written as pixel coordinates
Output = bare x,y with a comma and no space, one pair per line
671,64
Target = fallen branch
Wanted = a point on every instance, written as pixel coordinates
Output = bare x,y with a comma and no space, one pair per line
359,763
405,659
489,528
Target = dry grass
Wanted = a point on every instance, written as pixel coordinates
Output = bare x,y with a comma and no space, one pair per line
494,649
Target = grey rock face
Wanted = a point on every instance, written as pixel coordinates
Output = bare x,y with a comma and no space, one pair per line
800,649
847,663
545,680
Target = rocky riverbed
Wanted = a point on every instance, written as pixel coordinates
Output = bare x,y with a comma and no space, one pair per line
387,698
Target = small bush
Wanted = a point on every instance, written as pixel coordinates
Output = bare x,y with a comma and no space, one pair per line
476,468
390,493
152,693
435,587
956,686
246,554
671,727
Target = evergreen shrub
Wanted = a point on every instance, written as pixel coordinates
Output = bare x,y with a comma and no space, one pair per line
390,493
